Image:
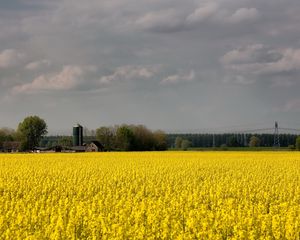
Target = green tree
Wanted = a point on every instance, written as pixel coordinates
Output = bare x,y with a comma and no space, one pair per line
178,142
2,138
185,144
6,135
125,138
106,136
223,147
254,142
160,139
31,131
143,138
298,143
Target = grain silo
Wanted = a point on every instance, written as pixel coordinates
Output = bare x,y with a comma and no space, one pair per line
77,135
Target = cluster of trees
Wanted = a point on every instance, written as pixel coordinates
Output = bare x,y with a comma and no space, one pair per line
6,135
131,138
29,133
231,140
52,141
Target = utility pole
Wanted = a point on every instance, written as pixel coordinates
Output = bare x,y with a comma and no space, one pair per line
276,136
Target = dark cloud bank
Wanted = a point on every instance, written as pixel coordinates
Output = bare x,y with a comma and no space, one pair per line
173,65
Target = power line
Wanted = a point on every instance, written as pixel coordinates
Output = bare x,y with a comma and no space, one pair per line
290,129
252,130
226,130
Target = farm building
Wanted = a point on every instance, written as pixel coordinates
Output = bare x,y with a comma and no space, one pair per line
78,144
53,149
78,148
94,146
11,146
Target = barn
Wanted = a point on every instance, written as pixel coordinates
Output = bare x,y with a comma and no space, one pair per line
94,146
11,146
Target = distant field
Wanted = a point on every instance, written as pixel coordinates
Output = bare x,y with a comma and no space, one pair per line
168,195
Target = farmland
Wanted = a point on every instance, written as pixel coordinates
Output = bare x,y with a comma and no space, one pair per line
169,195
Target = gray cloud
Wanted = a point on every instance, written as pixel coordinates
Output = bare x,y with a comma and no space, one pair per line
292,105
108,53
261,60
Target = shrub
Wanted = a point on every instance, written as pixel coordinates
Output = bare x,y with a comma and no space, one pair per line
224,147
298,143
291,147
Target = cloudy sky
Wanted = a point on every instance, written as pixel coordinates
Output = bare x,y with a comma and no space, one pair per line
169,64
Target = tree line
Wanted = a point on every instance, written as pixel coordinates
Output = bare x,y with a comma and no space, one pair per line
131,138
31,132
229,140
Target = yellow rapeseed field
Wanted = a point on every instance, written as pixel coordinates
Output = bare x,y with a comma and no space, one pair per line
169,195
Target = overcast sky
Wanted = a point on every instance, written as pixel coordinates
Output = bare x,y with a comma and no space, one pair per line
169,64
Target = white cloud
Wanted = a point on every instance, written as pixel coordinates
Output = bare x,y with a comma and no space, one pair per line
10,58
179,19
38,64
244,14
203,13
68,78
130,73
246,54
212,11
163,20
178,78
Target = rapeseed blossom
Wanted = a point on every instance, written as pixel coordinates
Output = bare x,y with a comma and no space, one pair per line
168,195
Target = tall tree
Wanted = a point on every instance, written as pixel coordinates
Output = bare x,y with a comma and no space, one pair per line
160,139
6,135
185,144
2,138
144,140
31,131
178,142
125,138
105,135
